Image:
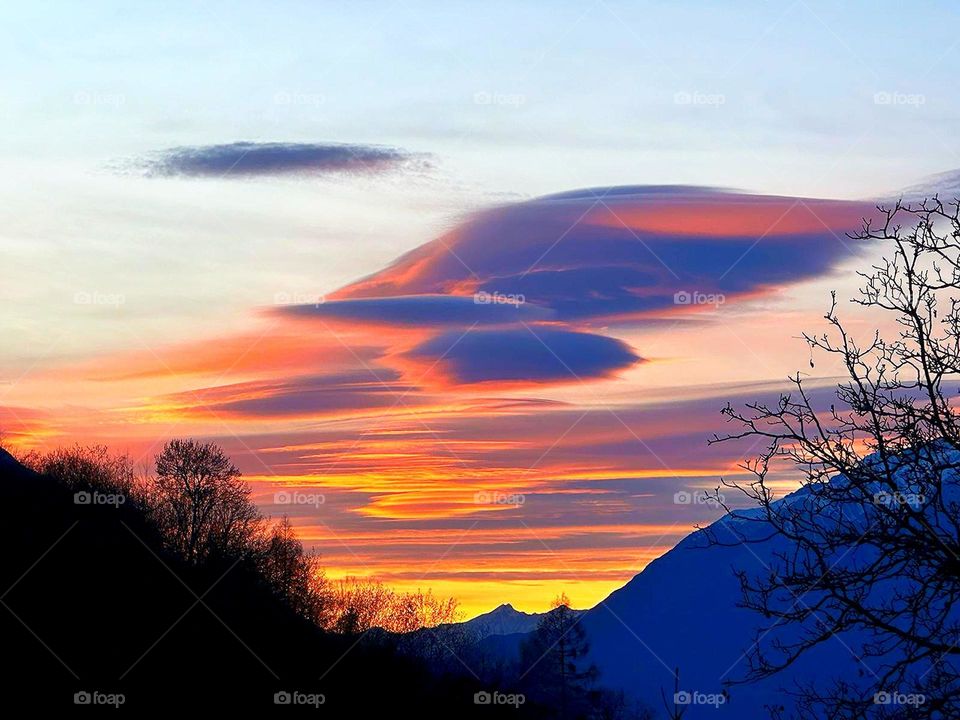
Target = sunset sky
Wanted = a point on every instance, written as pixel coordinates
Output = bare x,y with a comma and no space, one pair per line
472,292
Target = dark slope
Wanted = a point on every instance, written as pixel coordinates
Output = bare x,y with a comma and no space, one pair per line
94,604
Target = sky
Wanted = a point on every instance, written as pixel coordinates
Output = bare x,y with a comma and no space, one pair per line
462,288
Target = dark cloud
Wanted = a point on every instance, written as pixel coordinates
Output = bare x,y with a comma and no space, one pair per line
244,159
425,310
525,354
300,397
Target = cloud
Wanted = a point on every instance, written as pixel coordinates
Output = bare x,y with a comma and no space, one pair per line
569,263
425,310
615,253
531,355
310,396
945,184
246,159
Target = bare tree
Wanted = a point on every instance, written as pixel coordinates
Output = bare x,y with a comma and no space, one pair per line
293,573
200,503
357,605
869,547
92,467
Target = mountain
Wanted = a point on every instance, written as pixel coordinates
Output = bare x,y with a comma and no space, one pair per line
681,612
501,632
502,620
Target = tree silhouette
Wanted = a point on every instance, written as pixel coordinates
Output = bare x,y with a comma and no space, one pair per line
200,503
356,605
86,468
293,573
555,657
871,545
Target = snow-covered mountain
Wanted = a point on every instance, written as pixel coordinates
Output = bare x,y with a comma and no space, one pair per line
681,613
502,620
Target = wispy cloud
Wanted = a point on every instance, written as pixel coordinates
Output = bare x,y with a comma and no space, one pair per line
245,159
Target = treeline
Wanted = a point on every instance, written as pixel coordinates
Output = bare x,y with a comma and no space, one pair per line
196,499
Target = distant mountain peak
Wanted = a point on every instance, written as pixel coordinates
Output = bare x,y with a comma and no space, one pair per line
503,620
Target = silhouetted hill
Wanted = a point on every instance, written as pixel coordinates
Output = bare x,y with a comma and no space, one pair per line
94,604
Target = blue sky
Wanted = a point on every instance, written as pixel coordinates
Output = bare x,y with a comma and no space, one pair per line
597,79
